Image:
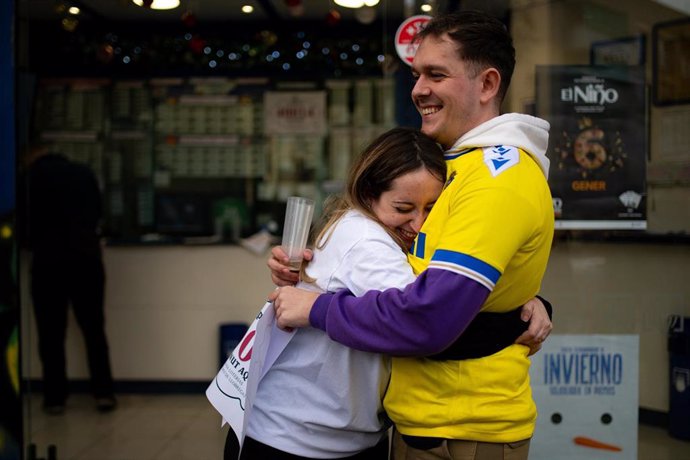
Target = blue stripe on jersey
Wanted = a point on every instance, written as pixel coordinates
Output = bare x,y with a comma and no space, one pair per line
453,155
419,245
466,265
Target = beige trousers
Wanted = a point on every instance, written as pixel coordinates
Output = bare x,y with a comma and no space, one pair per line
455,449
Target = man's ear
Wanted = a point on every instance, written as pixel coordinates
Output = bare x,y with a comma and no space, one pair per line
491,82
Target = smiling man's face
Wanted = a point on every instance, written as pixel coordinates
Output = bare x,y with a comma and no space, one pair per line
447,91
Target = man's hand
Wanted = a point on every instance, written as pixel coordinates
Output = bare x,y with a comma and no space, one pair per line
540,325
292,306
280,271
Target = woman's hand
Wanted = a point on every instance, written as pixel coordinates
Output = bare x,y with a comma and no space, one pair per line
540,325
280,271
292,306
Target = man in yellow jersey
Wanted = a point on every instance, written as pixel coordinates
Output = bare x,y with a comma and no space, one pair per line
484,248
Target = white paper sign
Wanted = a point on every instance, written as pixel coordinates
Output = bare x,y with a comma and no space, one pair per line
295,112
233,389
586,390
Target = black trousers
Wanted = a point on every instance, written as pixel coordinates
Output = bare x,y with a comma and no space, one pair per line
57,282
254,450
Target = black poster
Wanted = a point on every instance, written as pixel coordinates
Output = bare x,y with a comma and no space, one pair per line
597,144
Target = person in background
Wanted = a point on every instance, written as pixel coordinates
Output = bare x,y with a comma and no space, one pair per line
64,210
483,248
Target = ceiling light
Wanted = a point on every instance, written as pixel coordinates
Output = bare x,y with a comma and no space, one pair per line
356,3
426,7
247,9
159,4
73,10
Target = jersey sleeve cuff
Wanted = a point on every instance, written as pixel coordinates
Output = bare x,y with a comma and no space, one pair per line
317,315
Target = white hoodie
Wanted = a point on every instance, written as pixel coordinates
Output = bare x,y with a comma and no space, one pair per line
526,132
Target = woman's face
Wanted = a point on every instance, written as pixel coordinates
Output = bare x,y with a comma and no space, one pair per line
405,207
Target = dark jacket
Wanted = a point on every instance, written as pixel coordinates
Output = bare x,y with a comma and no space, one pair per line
64,207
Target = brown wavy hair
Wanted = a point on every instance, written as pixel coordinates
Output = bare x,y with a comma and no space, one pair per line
393,154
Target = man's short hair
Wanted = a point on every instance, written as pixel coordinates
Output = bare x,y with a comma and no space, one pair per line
482,41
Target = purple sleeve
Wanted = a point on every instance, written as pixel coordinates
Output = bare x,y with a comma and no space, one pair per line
421,320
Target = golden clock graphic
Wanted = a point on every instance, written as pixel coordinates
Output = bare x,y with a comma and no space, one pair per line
592,151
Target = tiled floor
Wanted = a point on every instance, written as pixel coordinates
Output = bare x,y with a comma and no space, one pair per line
144,427
185,427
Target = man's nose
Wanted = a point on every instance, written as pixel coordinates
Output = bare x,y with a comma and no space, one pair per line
420,88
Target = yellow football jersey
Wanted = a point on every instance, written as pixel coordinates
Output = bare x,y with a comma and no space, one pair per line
493,223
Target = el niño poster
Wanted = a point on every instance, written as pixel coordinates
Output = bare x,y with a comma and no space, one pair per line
597,144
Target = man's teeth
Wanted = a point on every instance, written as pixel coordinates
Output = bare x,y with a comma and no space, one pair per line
429,110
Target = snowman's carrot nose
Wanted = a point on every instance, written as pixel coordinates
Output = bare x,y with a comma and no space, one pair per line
594,444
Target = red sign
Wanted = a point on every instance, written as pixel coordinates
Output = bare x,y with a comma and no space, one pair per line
246,347
404,37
